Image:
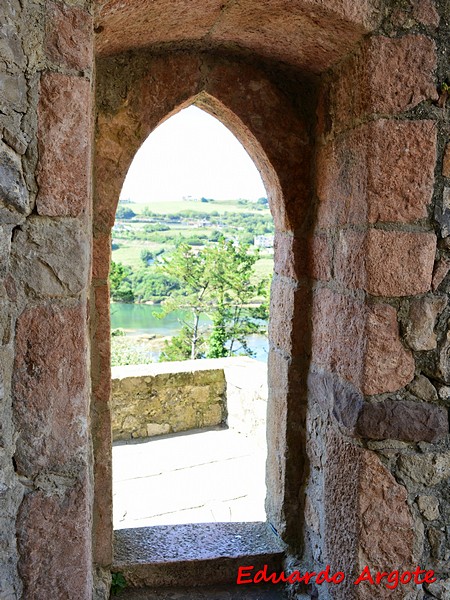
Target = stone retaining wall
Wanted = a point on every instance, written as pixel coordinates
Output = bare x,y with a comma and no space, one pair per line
149,400
153,399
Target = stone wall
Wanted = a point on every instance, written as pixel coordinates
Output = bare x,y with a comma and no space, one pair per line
150,400
377,441
46,73
359,189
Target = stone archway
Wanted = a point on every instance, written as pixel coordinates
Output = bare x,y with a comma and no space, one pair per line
252,107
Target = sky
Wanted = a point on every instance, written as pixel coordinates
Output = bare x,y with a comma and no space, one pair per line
191,154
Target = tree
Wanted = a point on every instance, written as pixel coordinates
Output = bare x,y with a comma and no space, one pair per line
190,270
125,213
121,288
216,281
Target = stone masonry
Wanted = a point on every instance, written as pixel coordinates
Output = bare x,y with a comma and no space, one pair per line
343,107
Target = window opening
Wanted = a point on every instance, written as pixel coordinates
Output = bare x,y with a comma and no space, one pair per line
189,438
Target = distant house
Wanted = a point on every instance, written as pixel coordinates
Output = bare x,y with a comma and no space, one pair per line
263,241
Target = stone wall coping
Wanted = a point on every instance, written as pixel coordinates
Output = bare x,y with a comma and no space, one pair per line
208,364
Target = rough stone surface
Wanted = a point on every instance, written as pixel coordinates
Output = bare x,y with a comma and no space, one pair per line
423,313
162,555
402,420
388,366
423,389
68,37
298,257
387,76
368,522
54,543
64,146
50,390
370,174
329,29
399,263
446,162
425,469
14,195
440,589
429,507
52,256
441,269
153,403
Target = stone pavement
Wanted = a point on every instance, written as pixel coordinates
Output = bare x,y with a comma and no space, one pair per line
194,477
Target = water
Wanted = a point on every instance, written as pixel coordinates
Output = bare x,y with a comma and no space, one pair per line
138,319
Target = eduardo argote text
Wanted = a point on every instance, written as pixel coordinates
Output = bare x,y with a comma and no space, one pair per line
390,580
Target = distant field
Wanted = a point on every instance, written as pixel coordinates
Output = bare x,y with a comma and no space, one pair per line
221,206
130,254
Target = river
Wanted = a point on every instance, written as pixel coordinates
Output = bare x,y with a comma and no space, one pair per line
140,319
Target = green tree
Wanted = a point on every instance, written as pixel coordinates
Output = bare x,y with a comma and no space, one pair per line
190,270
216,281
121,288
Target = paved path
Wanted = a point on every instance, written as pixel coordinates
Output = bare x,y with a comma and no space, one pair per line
240,592
199,477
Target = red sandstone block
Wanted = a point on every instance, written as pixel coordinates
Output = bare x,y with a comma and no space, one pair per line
54,541
386,76
50,387
399,263
289,322
299,257
69,36
388,366
359,343
385,263
398,190
64,138
446,162
368,519
371,175
101,256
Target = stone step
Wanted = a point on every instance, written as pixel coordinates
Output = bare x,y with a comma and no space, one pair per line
196,554
229,592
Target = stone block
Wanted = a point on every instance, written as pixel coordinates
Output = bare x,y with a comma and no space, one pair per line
426,470
402,420
13,92
422,316
388,366
446,162
13,190
101,256
370,174
429,507
441,269
367,521
64,139
386,76
424,11
5,247
50,390
442,213
51,257
54,542
289,323
299,257
423,389
69,36
399,263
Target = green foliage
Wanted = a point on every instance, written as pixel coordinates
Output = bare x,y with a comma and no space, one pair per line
118,583
180,346
146,256
124,212
217,280
120,282
117,332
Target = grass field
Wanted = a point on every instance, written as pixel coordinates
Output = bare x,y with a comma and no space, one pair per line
221,206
